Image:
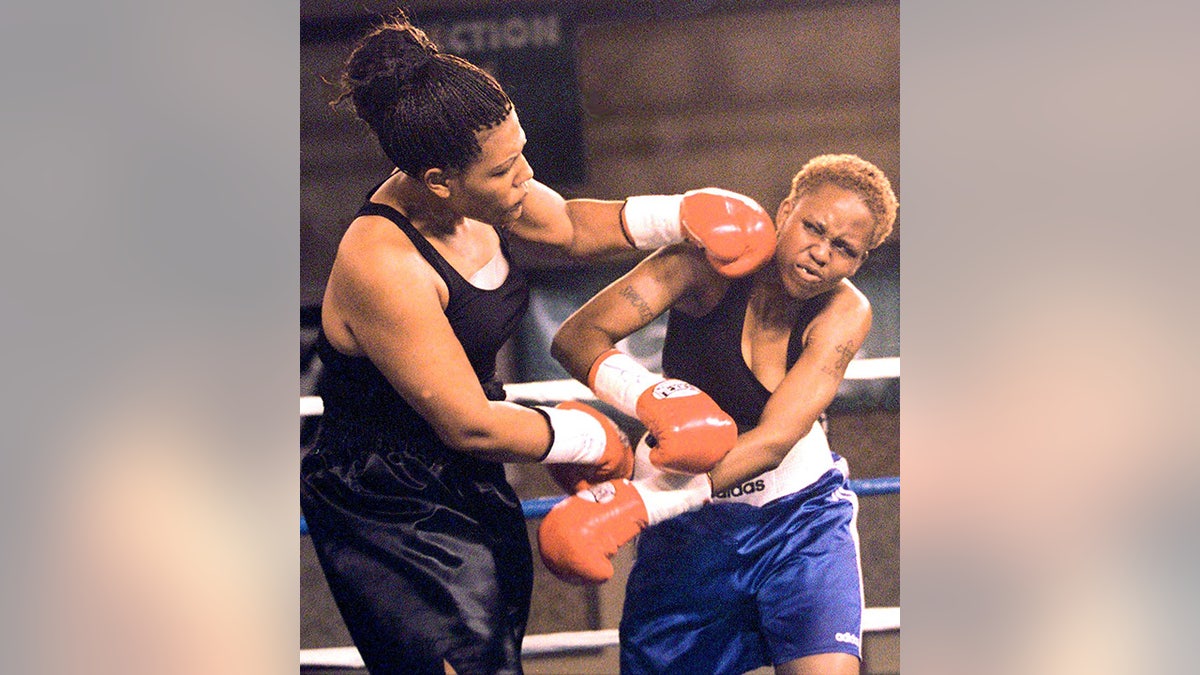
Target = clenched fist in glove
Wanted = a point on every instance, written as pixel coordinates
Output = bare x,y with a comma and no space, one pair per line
586,447
737,235
693,432
581,534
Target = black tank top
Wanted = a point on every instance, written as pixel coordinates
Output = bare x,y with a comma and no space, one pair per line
356,393
707,352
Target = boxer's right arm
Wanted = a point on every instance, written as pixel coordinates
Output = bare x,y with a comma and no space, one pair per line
693,431
676,276
736,234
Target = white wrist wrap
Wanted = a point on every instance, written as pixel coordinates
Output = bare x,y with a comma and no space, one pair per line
578,437
670,494
620,381
653,220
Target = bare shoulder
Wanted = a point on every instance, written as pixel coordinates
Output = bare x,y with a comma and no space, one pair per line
845,316
544,218
377,267
374,247
684,268
848,300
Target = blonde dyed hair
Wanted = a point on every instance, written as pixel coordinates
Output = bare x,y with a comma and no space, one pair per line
853,173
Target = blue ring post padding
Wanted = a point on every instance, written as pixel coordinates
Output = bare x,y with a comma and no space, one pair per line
868,487
540,506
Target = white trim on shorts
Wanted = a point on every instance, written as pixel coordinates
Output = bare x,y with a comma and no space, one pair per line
808,460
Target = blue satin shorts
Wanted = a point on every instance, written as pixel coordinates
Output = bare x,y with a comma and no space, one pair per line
733,587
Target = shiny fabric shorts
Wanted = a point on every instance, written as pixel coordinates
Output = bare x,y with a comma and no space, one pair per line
425,551
732,587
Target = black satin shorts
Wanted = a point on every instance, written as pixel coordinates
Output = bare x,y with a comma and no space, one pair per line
425,550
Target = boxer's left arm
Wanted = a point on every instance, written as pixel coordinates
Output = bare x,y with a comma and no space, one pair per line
581,228
581,534
832,339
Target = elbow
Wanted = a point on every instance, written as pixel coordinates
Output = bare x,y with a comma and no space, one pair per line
568,347
560,346
465,439
777,448
472,436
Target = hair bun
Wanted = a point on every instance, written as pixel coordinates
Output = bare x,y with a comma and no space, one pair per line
393,52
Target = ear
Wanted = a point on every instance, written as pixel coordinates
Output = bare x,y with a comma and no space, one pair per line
437,181
859,264
785,210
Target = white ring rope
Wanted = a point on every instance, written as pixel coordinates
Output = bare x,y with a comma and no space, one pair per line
875,620
549,391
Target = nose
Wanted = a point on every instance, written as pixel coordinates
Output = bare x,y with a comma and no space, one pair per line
820,251
525,173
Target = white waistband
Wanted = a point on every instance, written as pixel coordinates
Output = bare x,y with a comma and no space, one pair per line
804,464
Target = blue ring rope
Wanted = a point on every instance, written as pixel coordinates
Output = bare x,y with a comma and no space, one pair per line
540,506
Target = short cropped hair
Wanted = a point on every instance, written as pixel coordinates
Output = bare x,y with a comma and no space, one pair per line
853,173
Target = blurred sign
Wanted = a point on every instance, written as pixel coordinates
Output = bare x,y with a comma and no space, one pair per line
532,54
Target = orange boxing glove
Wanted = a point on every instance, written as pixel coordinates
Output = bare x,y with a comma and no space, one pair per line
581,534
736,233
693,432
585,447
615,462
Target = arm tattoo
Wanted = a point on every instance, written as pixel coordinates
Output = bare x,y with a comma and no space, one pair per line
845,354
638,303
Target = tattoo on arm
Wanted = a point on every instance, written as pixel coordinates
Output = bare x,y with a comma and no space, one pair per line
638,303
845,354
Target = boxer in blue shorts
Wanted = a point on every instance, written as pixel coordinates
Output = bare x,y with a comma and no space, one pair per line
749,554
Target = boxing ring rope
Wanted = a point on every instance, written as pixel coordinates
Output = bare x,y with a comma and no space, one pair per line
875,619
553,391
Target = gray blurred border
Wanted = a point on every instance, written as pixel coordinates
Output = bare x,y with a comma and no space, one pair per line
150,265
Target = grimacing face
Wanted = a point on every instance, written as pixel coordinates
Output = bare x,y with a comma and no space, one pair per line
494,186
823,238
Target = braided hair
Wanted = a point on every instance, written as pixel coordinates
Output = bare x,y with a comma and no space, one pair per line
423,105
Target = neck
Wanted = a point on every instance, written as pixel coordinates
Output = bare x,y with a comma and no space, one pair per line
427,212
769,298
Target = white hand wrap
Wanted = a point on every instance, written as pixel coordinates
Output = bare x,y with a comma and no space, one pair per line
667,494
578,437
672,494
652,221
619,381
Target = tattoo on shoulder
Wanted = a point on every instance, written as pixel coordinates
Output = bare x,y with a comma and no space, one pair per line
638,302
845,352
